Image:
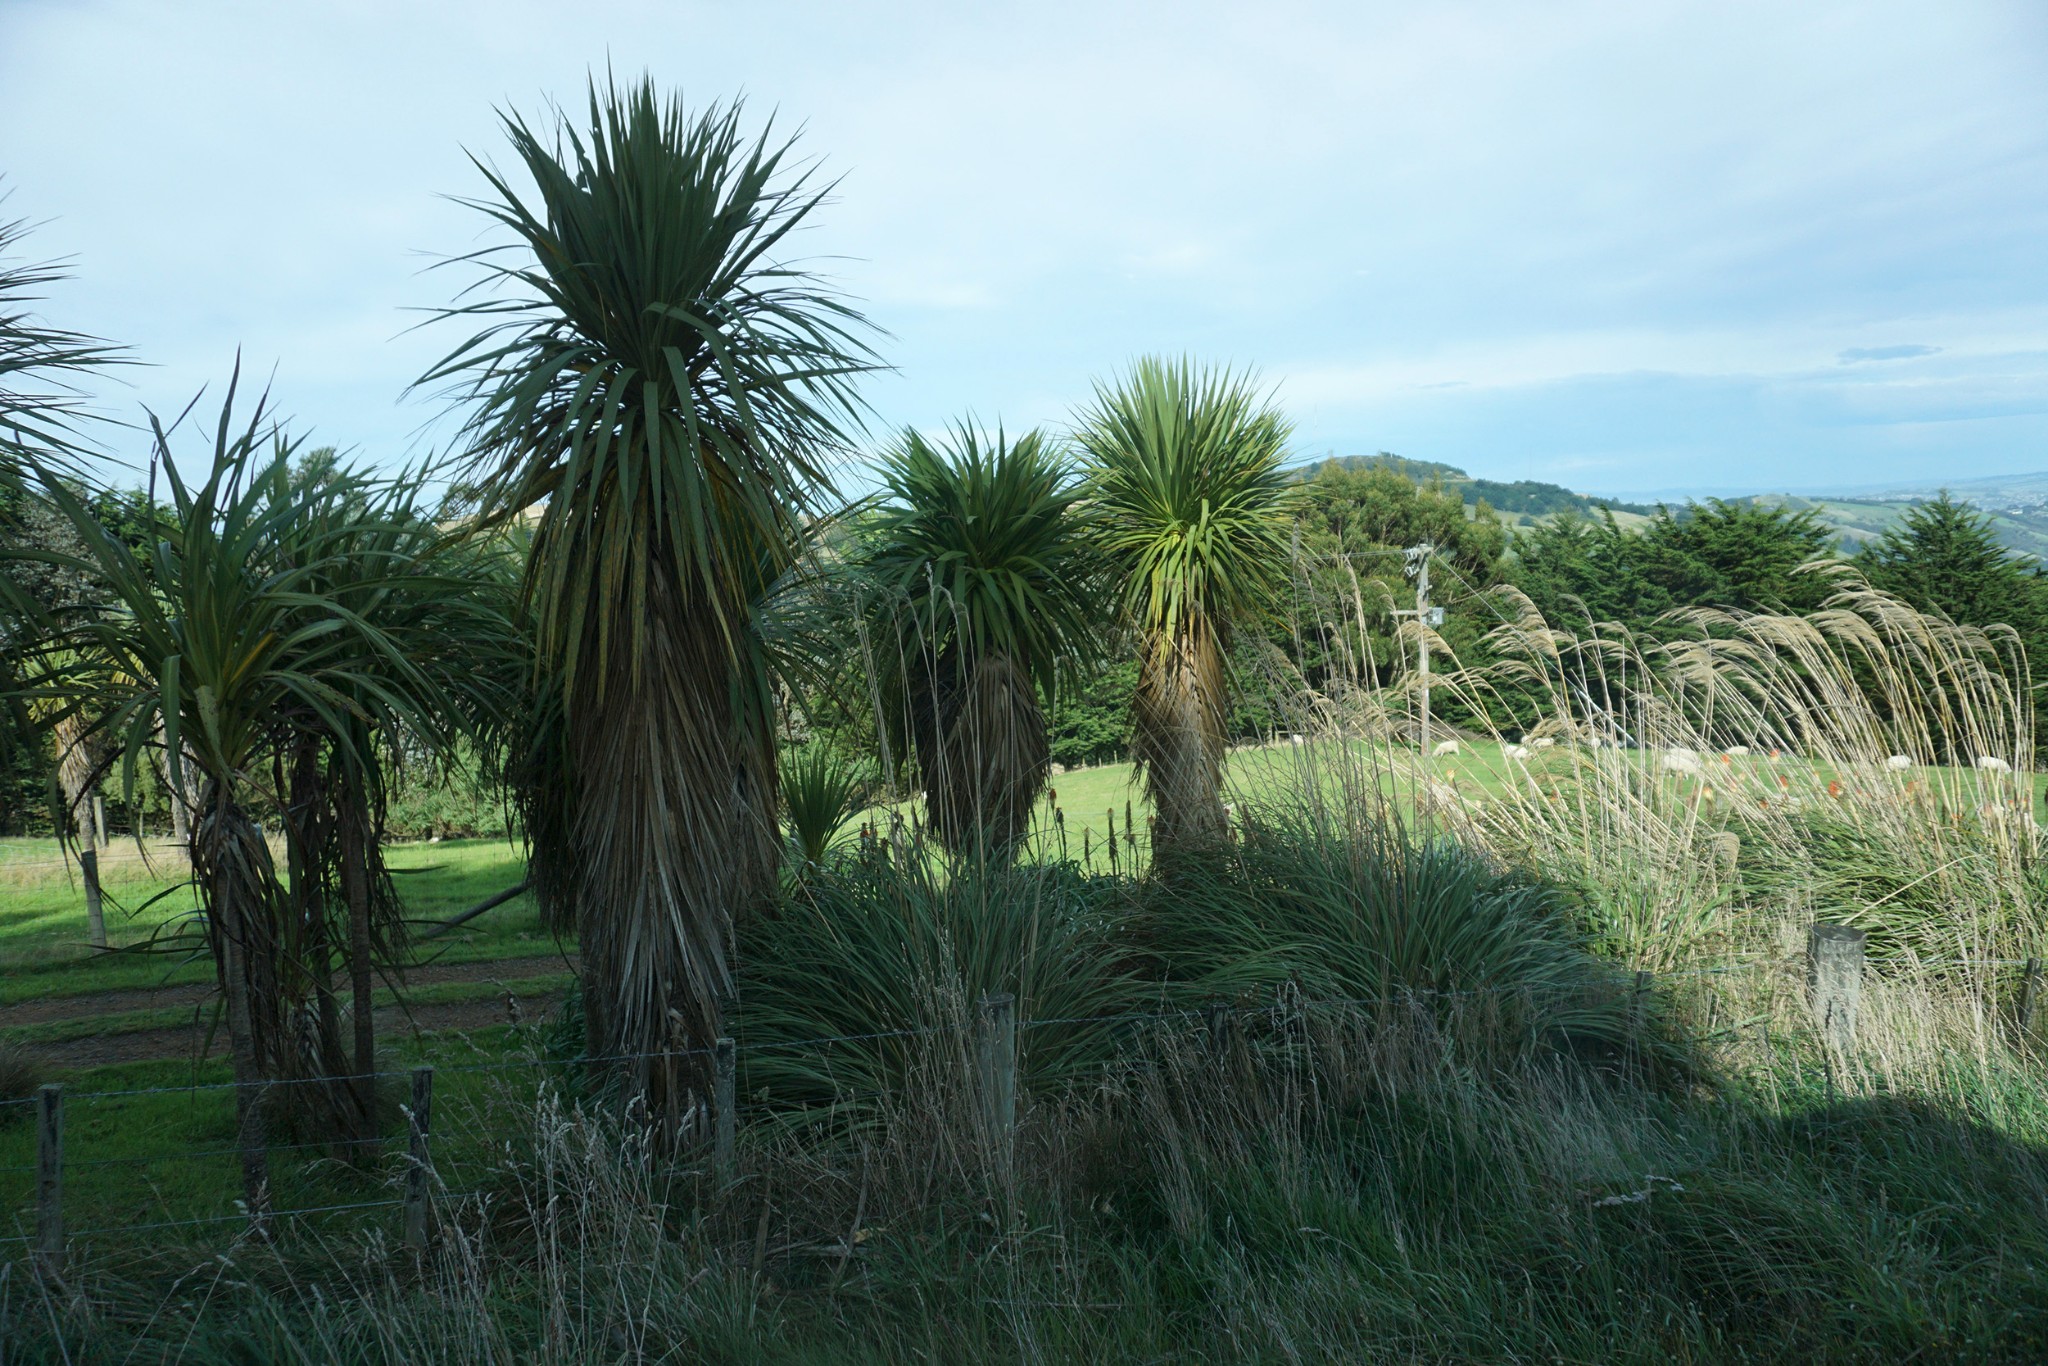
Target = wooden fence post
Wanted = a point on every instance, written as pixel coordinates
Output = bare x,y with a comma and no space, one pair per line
1834,981
419,1129
725,1114
50,1179
2030,988
996,1027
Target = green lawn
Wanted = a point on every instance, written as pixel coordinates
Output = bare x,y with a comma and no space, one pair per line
167,1155
42,915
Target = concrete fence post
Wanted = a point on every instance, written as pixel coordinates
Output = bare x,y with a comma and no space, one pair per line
996,1058
1834,982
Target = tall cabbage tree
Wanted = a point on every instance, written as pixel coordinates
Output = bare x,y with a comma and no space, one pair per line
662,392
978,571
1192,512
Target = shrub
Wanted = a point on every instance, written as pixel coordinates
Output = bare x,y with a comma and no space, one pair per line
894,956
1346,909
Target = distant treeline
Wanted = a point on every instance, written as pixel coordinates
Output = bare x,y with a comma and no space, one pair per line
1520,498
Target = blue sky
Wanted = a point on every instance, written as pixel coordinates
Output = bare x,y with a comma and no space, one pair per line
1627,247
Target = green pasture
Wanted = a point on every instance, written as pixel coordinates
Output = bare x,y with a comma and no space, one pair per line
42,915
43,949
167,1153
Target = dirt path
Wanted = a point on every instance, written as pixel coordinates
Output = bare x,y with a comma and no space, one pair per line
47,1009
185,1041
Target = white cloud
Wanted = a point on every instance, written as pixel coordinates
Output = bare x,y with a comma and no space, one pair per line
1373,202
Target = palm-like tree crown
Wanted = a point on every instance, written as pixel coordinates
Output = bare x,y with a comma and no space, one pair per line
977,566
650,374
1185,467
1192,514
979,544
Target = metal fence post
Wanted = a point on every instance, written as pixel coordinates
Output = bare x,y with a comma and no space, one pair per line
725,1068
1834,981
996,1028
50,1179
419,1129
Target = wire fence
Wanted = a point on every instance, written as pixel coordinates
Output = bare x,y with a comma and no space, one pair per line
467,1148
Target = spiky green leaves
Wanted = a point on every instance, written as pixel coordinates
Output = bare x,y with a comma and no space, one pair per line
40,407
1192,512
977,567
1185,472
650,373
979,548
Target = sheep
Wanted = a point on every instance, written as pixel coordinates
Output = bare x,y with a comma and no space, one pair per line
1444,747
1991,763
1899,763
1681,761
1519,753
1543,742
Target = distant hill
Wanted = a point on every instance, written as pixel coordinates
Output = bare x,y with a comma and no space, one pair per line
2017,504
1522,501
1857,520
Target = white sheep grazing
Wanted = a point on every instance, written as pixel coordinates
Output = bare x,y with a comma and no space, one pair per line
1899,763
1736,751
1520,753
1445,747
1681,761
1991,763
1543,742
1297,739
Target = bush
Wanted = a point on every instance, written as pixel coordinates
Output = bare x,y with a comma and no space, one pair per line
877,950
1340,908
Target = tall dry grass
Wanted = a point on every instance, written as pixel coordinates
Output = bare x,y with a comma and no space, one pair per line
1703,788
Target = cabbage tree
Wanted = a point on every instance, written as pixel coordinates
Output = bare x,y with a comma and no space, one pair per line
661,392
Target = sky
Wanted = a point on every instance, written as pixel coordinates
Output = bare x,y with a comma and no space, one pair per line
1649,248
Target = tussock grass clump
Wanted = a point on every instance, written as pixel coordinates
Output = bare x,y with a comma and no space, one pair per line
894,955
1321,901
20,1074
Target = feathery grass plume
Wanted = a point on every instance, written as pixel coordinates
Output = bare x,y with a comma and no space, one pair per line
661,392
1191,509
1748,765
982,589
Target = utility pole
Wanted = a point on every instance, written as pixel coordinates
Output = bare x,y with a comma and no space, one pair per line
1426,616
